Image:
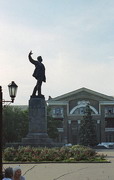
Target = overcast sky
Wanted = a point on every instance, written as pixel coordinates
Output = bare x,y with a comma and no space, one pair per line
74,37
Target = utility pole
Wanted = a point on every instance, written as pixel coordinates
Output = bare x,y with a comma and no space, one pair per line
1,133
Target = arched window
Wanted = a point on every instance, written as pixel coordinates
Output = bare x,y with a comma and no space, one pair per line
80,109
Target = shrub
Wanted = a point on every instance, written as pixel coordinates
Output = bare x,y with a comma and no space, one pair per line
67,154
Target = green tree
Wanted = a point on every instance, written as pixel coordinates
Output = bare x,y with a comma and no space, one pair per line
15,124
88,136
52,125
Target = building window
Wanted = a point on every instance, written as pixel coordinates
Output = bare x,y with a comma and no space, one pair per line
81,110
58,112
109,137
109,110
109,123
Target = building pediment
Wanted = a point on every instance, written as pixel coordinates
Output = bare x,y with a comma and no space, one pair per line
83,93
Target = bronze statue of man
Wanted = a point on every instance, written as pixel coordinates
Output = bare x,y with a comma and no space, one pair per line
39,74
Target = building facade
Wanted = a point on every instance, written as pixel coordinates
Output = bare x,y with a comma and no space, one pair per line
69,109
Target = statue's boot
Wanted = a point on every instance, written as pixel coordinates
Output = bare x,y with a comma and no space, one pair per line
34,92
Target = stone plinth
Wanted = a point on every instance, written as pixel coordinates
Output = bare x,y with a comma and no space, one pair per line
37,135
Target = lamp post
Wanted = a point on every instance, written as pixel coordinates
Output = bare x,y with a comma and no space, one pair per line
12,92
99,130
69,131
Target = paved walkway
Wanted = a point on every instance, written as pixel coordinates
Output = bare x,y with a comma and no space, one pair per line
70,171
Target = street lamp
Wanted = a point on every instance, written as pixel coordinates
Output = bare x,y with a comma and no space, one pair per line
12,92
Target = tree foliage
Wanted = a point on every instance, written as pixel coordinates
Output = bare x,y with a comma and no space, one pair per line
15,124
52,125
88,136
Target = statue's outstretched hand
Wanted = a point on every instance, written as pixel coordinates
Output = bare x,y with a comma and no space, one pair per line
30,53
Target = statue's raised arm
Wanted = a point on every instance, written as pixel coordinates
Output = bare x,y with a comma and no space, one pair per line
31,59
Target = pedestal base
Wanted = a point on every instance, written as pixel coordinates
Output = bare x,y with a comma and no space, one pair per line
37,135
37,139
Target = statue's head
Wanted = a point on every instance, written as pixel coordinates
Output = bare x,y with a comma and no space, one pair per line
39,58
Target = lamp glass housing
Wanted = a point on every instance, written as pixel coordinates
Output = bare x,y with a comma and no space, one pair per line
12,90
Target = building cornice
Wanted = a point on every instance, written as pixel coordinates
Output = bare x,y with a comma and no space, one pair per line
57,103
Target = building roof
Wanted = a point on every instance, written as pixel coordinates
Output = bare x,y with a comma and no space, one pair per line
83,89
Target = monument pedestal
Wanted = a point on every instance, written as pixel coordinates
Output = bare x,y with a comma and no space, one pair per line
37,135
